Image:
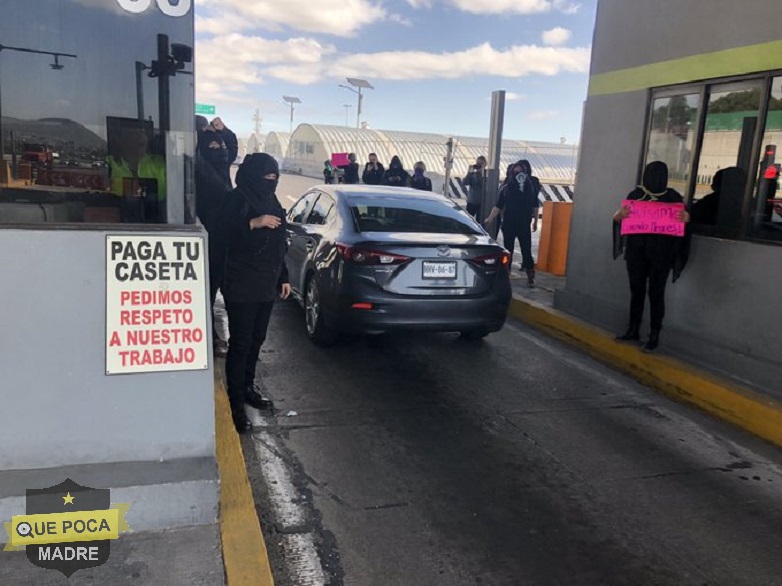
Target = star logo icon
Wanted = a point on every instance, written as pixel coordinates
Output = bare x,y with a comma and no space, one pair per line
68,499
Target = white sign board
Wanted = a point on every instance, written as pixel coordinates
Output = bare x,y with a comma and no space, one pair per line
156,306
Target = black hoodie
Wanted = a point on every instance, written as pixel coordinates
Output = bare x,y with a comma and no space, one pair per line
373,176
664,252
395,175
255,266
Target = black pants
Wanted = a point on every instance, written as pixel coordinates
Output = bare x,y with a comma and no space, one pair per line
522,233
474,209
641,272
247,325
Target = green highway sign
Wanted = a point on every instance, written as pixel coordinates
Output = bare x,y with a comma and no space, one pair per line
205,109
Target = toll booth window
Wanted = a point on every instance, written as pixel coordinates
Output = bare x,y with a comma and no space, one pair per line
96,122
720,140
725,157
766,205
672,135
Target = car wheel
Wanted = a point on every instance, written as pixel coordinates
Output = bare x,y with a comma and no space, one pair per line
474,335
313,311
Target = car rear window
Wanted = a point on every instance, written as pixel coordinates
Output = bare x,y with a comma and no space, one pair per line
411,215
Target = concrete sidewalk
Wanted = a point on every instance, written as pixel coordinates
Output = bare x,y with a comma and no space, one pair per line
754,410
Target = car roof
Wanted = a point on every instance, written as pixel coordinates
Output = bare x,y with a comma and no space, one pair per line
349,192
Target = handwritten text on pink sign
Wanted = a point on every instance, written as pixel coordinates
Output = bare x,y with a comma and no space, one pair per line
649,217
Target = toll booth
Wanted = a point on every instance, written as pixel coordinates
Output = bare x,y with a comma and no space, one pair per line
106,364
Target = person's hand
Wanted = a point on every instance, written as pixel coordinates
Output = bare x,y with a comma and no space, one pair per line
622,213
535,225
266,221
683,216
285,291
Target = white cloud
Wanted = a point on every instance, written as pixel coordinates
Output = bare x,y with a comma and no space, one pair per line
336,17
543,115
504,6
228,65
556,36
513,96
516,61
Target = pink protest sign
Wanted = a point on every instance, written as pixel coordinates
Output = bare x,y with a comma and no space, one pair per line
339,159
651,217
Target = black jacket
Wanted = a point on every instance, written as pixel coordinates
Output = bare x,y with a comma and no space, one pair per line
210,192
422,184
231,143
395,175
664,252
255,265
373,176
351,173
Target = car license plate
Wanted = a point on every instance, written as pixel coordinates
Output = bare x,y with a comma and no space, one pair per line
439,270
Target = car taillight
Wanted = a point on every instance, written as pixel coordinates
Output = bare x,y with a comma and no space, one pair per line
364,256
499,259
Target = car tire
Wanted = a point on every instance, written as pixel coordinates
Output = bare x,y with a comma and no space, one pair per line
315,324
475,335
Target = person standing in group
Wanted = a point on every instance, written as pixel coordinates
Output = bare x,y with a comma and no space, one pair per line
650,258
231,142
351,170
255,276
518,204
211,192
373,171
419,180
395,175
475,182
213,149
328,173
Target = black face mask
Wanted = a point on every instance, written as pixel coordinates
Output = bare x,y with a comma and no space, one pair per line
268,185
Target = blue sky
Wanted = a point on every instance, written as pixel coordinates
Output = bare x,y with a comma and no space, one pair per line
434,63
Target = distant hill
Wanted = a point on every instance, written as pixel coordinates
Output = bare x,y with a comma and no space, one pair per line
56,133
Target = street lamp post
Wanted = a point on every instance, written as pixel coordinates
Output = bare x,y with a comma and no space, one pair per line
55,66
360,84
290,100
347,107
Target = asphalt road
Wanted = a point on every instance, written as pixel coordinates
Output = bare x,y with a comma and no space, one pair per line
426,460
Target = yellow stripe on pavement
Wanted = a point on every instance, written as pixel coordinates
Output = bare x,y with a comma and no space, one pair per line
743,407
244,548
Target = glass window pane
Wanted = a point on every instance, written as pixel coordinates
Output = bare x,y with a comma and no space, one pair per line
672,136
321,210
411,215
729,135
766,210
296,215
86,134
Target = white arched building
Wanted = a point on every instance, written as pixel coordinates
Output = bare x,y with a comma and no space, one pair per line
311,145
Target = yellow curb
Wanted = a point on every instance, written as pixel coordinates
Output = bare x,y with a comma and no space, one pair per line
743,407
244,548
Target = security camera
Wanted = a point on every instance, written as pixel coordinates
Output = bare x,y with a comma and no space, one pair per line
182,53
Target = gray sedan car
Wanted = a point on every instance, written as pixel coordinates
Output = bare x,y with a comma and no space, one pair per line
369,259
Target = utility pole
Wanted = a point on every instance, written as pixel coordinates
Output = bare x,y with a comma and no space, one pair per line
257,119
448,167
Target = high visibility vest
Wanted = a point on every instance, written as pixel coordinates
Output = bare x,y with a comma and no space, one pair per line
149,167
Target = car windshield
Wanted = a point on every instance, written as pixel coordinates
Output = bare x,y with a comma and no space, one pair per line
411,215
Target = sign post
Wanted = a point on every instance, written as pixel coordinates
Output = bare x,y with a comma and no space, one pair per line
205,109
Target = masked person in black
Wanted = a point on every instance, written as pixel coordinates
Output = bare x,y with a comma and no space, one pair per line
650,258
518,204
255,275
230,140
351,170
211,193
395,175
475,182
212,148
373,171
419,180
